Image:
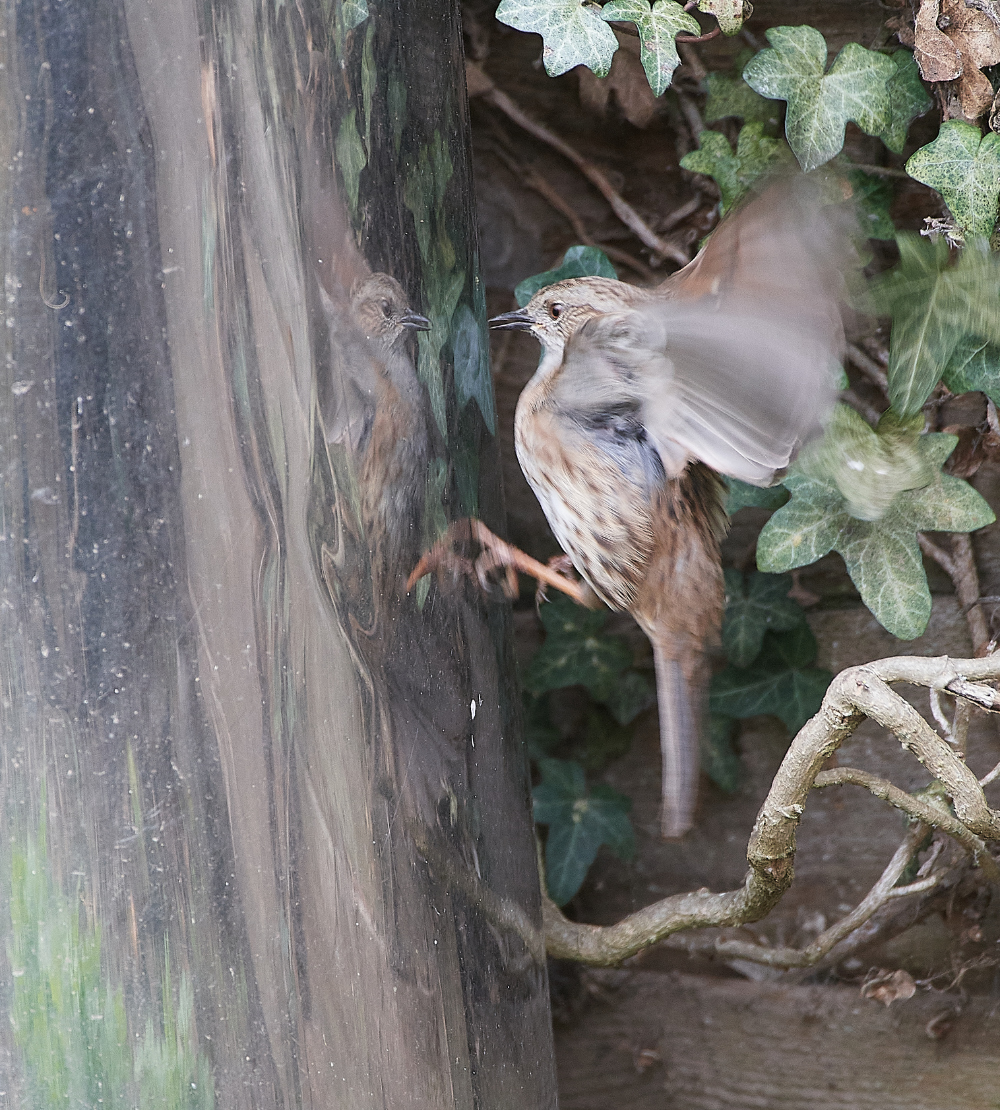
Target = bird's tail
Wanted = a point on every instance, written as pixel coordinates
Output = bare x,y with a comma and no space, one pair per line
678,743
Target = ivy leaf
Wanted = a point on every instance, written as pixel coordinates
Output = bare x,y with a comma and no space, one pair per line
882,556
719,759
907,99
793,693
605,739
732,96
575,653
935,305
820,104
580,821
573,32
964,167
577,262
743,495
752,608
729,14
631,695
974,366
735,173
873,198
657,27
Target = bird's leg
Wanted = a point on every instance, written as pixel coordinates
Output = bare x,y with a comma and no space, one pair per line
560,564
495,554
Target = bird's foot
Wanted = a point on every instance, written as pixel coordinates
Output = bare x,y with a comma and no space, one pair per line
558,564
494,555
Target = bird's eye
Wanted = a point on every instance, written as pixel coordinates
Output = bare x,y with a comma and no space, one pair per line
555,309
386,308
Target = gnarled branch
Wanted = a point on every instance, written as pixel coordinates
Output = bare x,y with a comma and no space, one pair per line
854,694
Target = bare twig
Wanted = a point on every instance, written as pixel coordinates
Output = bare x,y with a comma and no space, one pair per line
692,115
868,366
941,557
545,189
854,694
691,60
483,86
868,412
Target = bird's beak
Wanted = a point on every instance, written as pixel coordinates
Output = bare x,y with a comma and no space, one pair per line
519,321
418,323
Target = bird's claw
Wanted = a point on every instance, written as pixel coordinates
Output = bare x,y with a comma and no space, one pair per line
494,555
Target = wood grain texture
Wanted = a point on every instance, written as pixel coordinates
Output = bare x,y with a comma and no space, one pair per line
684,1042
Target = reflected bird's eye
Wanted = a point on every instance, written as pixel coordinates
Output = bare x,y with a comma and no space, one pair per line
386,308
555,309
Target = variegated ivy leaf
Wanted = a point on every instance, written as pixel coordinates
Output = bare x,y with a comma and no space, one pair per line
736,173
907,99
573,32
729,14
882,556
974,366
936,303
732,96
657,27
964,167
820,103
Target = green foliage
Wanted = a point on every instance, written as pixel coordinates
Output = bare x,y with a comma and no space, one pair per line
753,607
719,759
872,198
573,32
781,681
730,96
743,495
658,24
577,653
974,365
735,174
859,86
908,99
68,1020
963,165
577,262
937,304
580,820
882,555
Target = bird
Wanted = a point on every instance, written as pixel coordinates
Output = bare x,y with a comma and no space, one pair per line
374,404
643,398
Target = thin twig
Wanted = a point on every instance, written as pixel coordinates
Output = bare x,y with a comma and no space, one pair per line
545,189
868,366
868,412
941,557
692,115
622,209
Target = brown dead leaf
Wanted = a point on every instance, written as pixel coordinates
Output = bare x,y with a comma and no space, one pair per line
627,80
889,986
977,38
937,56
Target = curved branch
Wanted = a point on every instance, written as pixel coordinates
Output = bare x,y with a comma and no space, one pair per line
854,694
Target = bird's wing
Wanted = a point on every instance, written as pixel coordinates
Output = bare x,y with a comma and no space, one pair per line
733,360
714,379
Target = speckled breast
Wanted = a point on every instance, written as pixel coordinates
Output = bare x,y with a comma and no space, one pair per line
599,513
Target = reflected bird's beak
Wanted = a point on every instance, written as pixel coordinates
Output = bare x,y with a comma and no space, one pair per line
418,323
518,320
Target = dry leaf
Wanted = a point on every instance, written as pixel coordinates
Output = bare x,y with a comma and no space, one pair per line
889,986
977,38
627,80
937,56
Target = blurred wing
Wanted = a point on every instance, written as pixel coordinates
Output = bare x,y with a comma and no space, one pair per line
731,361
722,383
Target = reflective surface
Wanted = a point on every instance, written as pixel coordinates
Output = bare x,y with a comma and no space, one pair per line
265,815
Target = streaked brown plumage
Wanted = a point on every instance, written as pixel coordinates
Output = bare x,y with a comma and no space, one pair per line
642,396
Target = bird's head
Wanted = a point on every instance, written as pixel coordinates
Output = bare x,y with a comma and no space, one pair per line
556,312
382,311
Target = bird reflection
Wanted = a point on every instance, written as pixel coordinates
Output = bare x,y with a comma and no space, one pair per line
375,405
